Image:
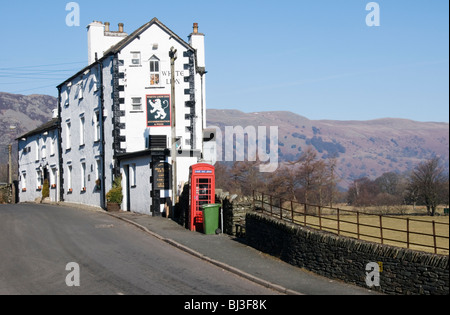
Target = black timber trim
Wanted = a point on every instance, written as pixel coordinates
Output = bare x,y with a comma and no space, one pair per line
117,113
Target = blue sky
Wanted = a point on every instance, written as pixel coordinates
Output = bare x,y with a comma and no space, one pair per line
316,58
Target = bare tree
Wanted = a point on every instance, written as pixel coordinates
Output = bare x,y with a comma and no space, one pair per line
362,192
283,183
427,180
332,180
312,176
388,183
223,176
246,177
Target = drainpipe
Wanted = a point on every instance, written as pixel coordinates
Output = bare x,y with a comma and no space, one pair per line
102,135
60,155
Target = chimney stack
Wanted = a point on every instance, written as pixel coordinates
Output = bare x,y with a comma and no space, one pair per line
197,40
101,38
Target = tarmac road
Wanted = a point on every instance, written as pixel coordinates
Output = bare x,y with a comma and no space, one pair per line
38,241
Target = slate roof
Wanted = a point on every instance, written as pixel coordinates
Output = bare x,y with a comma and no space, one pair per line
52,124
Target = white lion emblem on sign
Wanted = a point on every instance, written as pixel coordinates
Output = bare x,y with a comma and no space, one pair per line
159,109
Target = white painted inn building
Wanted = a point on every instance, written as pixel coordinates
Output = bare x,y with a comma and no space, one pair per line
115,117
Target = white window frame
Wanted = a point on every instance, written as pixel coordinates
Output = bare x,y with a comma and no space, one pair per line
38,151
132,174
79,91
52,146
82,129
97,125
136,103
44,150
52,176
23,181
155,68
83,176
38,179
69,178
68,134
65,98
94,80
135,58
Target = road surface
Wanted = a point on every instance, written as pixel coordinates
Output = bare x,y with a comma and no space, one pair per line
37,242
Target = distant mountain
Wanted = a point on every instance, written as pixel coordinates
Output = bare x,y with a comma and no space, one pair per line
363,148
23,112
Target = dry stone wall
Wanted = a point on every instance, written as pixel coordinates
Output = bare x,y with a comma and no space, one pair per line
234,209
403,271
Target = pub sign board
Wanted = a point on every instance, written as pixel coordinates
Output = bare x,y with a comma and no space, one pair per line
158,110
162,176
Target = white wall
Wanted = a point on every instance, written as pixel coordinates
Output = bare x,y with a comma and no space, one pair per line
140,187
137,84
81,100
77,153
139,174
33,162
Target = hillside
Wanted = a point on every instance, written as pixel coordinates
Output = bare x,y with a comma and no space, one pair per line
363,148
24,112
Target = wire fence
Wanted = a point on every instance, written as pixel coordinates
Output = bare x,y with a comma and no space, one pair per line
420,234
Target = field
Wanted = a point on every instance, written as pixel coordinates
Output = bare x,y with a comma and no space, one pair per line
402,226
393,232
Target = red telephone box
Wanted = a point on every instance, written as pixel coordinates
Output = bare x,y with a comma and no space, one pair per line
202,192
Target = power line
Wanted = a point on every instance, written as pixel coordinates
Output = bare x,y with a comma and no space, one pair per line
31,89
48,65
41,72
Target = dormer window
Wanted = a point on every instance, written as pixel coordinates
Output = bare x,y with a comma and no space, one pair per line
154,71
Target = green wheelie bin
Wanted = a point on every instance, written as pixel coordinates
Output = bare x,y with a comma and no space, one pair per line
210,218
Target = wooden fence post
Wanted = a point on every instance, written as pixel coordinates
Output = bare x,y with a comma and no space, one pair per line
254,207
434,237
320,219
281,209
357,223
407,232
262,202
304,214
271,207
381,228
292,211
338,222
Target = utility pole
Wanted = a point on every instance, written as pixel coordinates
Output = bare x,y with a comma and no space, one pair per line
202,72
173,57
9,164
10,173
10,181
